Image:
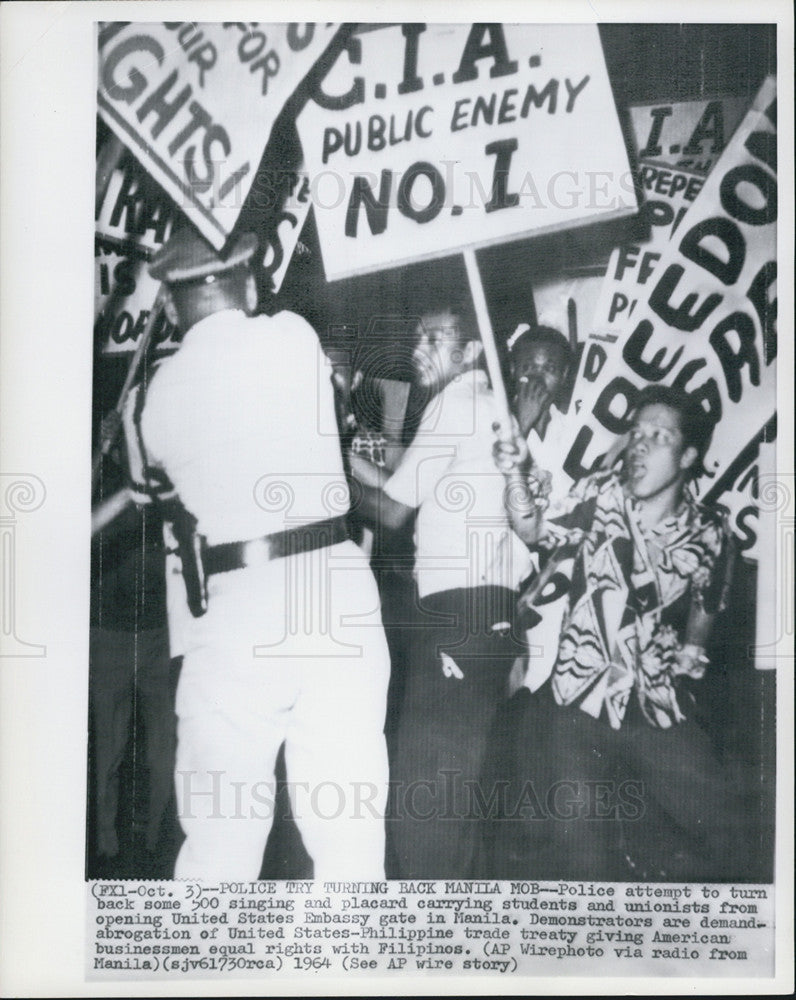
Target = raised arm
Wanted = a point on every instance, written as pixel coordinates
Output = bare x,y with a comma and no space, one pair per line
522,498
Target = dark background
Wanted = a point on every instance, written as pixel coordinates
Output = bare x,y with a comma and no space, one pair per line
647,64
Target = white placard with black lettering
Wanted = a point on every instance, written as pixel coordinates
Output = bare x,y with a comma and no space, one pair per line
435,137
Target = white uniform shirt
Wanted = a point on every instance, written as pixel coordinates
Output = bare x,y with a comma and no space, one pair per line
236,418
463,537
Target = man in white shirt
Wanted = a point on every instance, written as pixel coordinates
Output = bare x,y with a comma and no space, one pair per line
468,564
291,647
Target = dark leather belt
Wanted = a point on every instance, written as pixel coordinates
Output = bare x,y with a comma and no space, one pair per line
238,555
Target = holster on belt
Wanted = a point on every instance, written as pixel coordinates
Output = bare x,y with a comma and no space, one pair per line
199,560
190,545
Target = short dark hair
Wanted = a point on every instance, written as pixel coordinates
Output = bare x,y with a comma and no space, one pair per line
445,289
465,323
542,335
696,424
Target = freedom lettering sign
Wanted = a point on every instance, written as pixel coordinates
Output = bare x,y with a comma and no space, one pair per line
612,298
196,103
668,196
708,323
678,144
425,139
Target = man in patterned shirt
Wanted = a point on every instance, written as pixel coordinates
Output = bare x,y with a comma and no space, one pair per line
613,734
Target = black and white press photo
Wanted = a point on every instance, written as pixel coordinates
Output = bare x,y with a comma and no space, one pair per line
526,479
435,604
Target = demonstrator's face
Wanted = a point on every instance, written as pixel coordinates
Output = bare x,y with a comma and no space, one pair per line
539,372
655,457
544,362
439,354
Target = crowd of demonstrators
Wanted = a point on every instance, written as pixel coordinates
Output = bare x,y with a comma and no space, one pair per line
611,745
270,471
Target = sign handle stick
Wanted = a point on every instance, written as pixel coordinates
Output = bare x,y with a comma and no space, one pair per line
516,495
106,440
502,408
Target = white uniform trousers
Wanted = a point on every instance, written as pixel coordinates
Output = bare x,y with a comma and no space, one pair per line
292,651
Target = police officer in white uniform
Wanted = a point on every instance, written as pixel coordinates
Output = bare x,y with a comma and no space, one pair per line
288,644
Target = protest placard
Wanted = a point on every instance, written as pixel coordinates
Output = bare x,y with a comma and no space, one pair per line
708,324
738,491
133,221
670,182
196,103
668,195
445,136
687,135
279,242
134,214
125,294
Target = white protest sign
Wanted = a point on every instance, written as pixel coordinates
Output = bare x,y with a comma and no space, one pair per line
133,213
131,224
446,136
688,135
134,221
738,491
668,195
708,324
285,229
196,103
124,296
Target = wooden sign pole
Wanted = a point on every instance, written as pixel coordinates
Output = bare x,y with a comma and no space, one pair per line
502,408
517,496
